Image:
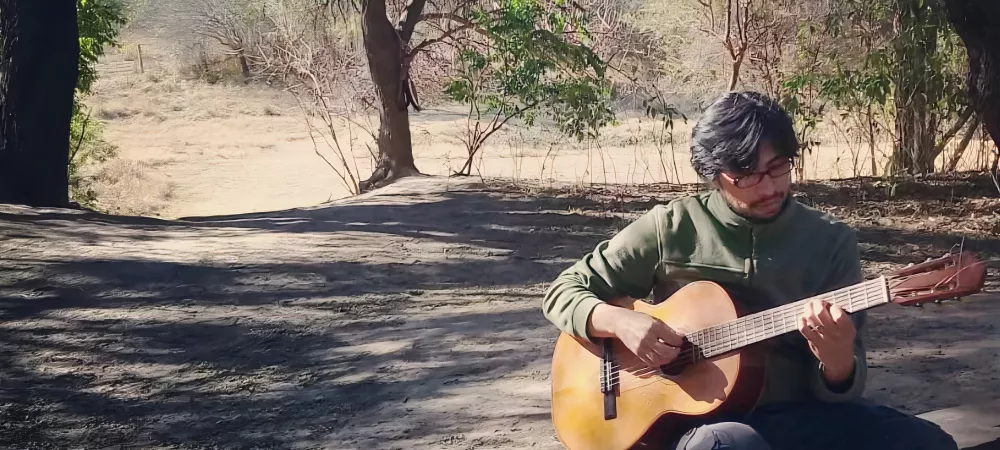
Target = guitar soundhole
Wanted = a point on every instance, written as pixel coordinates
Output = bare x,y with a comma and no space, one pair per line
688,355
673,369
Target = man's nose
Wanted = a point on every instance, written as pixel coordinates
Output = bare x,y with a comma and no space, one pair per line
767,187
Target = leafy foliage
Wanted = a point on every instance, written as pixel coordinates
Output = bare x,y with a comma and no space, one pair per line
99,23
881,58
536,60
801,101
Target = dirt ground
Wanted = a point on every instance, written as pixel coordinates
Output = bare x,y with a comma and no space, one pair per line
190,148
187,148
225,305
405,319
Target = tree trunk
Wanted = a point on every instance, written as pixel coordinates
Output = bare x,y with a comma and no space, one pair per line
871,140
916,122
39,61
244,67
385,47
950,134
977,22
962,145
734,77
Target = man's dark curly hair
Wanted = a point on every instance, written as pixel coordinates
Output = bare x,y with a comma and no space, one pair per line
728,135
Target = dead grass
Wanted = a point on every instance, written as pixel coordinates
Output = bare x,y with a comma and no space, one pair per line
243,148
113,113
132,188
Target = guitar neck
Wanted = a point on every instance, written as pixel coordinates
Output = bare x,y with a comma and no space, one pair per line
753,328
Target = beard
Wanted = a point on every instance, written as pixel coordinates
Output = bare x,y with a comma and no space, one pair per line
774,198
768,207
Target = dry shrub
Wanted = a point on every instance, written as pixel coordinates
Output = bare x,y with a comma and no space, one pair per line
115,113
130,187
211,67
314,53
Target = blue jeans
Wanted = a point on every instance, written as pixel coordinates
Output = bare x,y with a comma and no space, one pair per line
858,425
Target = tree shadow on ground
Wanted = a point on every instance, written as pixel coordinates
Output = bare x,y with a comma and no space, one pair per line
110,284
221,384
484,219
557,222
101,350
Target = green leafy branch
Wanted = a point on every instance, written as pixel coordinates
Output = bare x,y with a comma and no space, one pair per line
99,23
536,60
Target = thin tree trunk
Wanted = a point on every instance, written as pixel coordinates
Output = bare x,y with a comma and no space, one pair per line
385,47
916,123
950,134
977,22
38,73
244,67
964,144
871,140
735,76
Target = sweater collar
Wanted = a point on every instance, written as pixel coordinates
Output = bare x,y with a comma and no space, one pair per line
724,213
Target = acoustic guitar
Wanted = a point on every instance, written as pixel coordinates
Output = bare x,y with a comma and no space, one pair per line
605,398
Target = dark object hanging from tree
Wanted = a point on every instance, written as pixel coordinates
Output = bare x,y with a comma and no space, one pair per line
978,24
39,66
407,90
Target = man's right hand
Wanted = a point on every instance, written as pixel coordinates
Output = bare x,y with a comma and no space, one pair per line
650,339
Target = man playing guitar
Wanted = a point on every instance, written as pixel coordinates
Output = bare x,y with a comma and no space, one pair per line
747,231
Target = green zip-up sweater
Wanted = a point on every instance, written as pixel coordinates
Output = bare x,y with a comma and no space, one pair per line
799,254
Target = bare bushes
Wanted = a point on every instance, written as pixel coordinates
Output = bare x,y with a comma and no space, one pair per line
311,53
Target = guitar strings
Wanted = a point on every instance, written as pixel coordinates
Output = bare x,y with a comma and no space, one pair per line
716,346
900,279
718,342
726,341
615,379
784,310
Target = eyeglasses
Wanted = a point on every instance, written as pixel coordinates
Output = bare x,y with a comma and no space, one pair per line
752,179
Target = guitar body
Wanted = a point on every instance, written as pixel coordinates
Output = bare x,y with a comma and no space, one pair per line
605,398
652,407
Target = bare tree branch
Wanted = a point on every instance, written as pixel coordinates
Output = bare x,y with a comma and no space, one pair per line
449,16
423,45
408,20
962,119
728,42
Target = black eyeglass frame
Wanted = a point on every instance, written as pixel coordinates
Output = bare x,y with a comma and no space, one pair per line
754,178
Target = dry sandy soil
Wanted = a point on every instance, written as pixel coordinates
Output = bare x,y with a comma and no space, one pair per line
189,148
192,149
408,318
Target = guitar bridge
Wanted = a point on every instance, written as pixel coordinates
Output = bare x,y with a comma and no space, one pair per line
609,380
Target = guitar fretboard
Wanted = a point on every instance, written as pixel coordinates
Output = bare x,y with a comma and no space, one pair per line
723,338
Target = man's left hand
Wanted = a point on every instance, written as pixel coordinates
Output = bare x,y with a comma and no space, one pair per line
830,333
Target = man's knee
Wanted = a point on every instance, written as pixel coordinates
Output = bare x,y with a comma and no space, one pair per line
724,435
927,435
898,430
